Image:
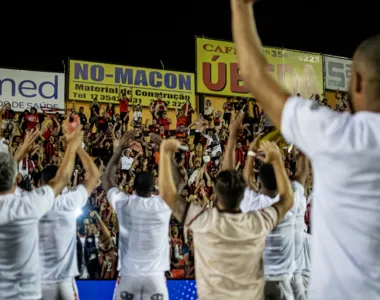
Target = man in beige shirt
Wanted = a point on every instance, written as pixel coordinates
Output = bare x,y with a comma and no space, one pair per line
229,244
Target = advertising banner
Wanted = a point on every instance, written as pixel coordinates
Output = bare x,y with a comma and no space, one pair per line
26,89
218,69
106,83
337,73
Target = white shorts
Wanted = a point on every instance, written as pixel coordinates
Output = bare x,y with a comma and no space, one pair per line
298,287
141,287
62,290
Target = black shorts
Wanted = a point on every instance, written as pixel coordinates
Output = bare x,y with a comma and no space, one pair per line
122,116
207,117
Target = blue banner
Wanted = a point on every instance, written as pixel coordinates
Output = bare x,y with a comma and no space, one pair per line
103,289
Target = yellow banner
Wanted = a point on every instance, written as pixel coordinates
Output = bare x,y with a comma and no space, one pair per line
218,70
106,82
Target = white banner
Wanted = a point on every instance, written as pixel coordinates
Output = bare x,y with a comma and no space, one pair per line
337,73
26,89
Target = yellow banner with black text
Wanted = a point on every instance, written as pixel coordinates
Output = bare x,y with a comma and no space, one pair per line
107,82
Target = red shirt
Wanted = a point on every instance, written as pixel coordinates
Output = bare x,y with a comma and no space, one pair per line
181,120
124,105
154,129
165,122
47,134
31,121
8,115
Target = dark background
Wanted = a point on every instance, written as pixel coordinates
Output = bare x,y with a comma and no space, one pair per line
43,36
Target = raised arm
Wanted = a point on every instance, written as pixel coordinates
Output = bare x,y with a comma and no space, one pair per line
66,169
92,176
250,162
271,95
28,144
167,188
229,156
273,156
109,174
302,170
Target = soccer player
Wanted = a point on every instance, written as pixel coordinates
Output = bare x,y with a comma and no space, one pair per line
19,216
345,153
57,233
144,230
283,253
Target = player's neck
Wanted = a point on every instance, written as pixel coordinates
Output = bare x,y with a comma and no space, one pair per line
11,191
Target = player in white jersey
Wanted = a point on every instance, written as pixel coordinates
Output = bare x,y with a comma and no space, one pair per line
19,216
345,153
144,228
57,234
298,183
279,254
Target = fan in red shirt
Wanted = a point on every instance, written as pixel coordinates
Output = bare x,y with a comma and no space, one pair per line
31,119
154,128
124,110
181,118
164,121
240,154
188,110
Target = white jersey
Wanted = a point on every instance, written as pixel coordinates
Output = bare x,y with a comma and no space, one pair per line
345,153
57,237
278,258
299,229
144,228
19,263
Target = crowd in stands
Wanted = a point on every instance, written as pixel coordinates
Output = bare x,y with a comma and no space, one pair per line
205,137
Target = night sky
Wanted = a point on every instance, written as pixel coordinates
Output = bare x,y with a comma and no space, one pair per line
165,30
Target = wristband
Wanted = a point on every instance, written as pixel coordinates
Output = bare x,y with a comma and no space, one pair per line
251,153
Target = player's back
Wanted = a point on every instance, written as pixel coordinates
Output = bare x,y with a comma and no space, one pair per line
19,265
57,239
345,153
144,231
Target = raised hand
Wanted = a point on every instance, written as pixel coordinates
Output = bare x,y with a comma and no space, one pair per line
126,139
75,138
170,145
236,125
271,152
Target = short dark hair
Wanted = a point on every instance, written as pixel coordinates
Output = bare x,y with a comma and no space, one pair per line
230,186
267,177
8,172
144,182
48,173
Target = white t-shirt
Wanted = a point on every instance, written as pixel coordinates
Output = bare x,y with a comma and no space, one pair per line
57,237
126,162
19,261
345,154
279,263
143,232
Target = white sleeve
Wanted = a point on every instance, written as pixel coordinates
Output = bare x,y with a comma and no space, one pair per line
313,129
71,200
38,202
253,201
117,198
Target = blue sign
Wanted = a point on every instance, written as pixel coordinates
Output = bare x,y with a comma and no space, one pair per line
103,289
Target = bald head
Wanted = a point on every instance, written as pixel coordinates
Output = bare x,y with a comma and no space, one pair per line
8,172
367,58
